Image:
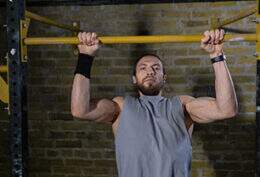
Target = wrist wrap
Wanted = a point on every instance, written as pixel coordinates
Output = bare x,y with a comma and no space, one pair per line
84,65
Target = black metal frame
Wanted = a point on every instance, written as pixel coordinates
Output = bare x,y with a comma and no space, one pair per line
106,2
17,90
258,107
258,120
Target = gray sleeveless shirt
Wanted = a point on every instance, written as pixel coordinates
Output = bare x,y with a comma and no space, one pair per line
152,139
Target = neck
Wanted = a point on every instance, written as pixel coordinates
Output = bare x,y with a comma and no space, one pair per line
141,94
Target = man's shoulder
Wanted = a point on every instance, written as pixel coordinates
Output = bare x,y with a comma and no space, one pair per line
119,100
185,99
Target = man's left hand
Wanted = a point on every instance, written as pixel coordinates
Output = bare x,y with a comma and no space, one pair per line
212,42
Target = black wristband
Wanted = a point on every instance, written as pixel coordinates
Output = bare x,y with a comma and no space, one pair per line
84,65
218,59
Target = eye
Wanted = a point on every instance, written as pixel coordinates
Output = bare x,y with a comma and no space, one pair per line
157,68
142,68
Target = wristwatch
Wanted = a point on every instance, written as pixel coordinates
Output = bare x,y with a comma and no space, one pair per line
218,58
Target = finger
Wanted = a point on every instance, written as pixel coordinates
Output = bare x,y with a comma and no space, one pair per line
80,38
206,37
83,37
222,35
217,33
88,38
212,36
96,40
93,38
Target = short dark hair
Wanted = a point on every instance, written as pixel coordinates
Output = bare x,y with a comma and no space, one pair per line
144,55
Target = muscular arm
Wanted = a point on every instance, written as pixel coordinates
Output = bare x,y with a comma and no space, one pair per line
82,107
103,110
207,109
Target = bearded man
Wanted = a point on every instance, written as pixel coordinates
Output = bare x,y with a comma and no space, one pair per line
152,132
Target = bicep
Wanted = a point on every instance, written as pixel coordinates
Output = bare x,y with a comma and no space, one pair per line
104,110
204,110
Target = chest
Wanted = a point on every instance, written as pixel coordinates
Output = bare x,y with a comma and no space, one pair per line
144,128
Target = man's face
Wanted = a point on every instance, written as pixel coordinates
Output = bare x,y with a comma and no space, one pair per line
149,77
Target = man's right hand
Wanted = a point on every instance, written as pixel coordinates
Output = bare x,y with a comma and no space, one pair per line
89,43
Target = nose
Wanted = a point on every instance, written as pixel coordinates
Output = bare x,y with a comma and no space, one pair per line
150,71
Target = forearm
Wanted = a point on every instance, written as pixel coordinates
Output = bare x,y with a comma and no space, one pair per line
80,96
225,92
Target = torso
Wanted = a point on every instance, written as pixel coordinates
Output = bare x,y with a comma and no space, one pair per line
184,100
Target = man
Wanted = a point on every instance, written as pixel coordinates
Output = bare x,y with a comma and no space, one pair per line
153,133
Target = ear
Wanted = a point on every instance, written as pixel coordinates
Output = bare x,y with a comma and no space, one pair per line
134,79
164,78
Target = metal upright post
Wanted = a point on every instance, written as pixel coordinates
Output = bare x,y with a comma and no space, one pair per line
258,91
17,89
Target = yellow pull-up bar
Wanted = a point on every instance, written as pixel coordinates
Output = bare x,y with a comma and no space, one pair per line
135,39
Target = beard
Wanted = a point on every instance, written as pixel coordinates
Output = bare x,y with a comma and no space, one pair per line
152,89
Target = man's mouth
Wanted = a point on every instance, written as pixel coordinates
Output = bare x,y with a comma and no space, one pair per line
149,79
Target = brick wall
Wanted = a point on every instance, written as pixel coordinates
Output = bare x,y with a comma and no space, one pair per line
62,146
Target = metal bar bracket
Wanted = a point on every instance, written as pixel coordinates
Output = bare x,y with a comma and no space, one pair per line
4,92
24,26
75,24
